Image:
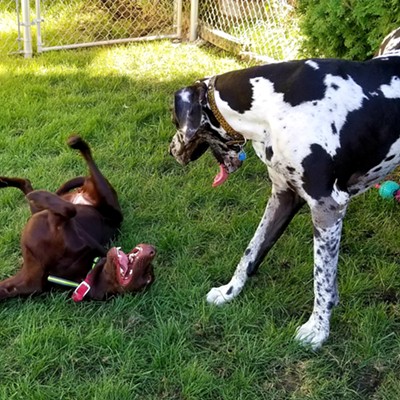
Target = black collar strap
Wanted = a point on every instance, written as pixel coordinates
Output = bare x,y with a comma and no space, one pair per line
220,118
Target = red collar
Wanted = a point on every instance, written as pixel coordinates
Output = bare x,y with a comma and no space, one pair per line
83,289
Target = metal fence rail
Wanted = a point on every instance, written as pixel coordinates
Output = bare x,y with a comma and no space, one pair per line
260,29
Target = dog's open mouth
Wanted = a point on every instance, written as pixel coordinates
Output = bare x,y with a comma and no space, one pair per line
132,265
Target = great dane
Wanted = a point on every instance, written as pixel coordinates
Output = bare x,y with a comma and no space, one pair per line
327,129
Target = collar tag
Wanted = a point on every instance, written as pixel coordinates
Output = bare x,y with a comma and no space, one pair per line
81,291
242,155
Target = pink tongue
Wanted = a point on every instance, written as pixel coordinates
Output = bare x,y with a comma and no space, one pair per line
123,260
221,177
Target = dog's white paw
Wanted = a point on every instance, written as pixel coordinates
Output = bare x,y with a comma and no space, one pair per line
312,334
221,295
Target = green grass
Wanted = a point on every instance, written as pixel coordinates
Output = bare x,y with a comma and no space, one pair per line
168,343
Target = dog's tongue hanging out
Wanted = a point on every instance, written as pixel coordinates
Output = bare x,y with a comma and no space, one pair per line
221,177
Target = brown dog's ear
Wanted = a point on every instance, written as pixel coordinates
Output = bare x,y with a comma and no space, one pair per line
188,108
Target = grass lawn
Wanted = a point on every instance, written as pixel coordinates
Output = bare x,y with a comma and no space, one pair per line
168,343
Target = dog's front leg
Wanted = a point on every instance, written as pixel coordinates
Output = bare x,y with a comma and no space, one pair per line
281,208
328,220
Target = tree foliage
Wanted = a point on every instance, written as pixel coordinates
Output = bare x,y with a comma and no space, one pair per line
351,29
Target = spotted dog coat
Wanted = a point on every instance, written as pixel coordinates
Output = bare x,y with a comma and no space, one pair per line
327,130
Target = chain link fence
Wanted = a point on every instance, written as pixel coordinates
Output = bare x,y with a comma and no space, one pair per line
264,30
77,23
261,29
10,34
59,24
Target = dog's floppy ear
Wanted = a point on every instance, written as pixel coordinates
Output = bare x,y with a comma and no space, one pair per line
188,108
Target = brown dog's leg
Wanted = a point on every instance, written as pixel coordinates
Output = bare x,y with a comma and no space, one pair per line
69,185
96,185
27,281
22,184
43,200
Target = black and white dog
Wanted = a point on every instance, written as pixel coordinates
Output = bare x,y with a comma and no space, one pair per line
327,130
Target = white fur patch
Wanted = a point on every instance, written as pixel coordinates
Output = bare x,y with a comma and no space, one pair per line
392,91
185,96
80,199
312,64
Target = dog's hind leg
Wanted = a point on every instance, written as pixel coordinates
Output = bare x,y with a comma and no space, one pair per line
327,215
22,184
96,185
29,280
71,184
281,208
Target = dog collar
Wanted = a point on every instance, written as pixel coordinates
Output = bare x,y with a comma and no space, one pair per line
82,289
238,138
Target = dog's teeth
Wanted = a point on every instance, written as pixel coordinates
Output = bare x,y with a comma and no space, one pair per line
130,272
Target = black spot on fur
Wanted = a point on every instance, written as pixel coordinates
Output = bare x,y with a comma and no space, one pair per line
250,268
269,153
318,177
230,290
247,252
287,77
389,158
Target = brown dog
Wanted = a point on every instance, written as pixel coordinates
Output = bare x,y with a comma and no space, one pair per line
65,233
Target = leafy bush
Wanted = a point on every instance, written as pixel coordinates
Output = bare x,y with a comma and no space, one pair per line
351,29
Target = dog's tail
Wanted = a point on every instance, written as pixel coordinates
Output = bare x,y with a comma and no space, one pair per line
22,184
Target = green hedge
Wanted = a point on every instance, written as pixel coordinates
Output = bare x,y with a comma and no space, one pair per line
351,29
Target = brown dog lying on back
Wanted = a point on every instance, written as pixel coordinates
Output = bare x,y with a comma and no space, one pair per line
68,230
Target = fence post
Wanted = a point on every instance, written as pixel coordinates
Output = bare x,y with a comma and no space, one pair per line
194,19
26,23
38,27
178,17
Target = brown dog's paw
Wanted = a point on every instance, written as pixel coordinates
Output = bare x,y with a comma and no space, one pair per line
77,143
43,200
19,183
